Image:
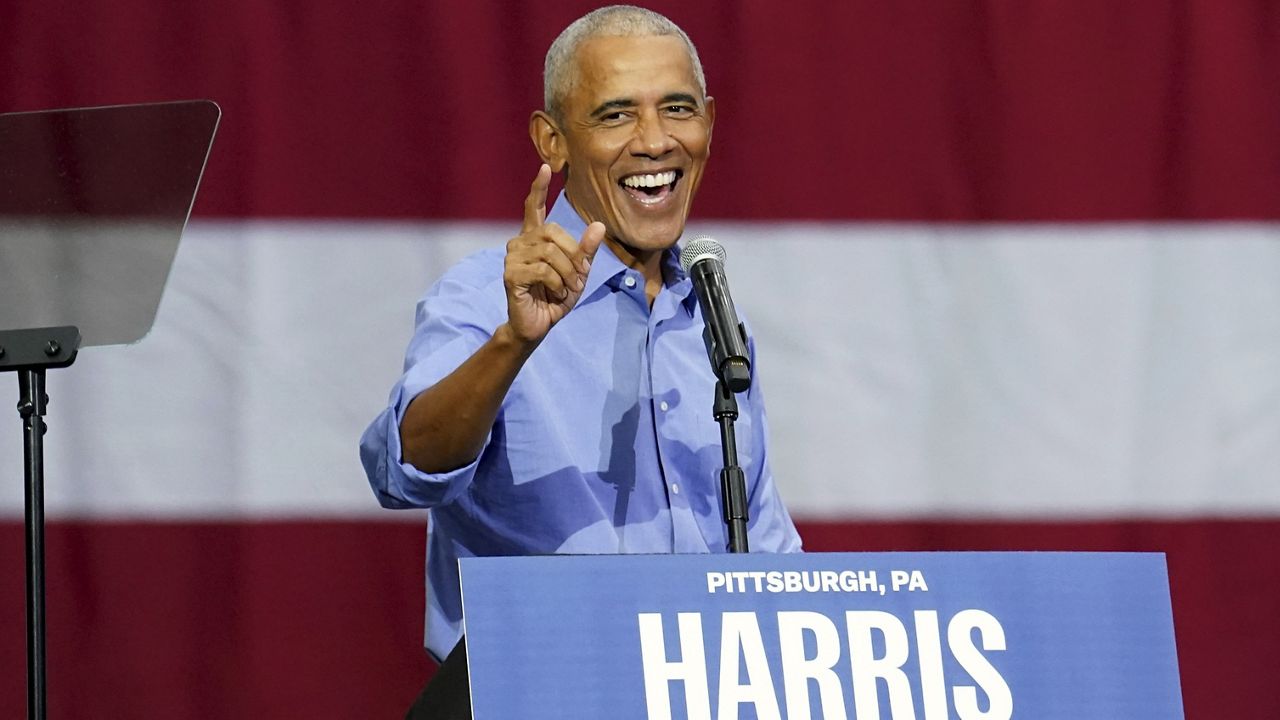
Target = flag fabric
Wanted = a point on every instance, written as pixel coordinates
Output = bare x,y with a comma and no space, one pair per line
1013,271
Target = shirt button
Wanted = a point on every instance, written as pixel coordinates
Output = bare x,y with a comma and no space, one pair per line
675,488
665,407
629,281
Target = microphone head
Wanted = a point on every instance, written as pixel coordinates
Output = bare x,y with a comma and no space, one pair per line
701,248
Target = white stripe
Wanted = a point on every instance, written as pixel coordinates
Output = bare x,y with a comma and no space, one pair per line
911,370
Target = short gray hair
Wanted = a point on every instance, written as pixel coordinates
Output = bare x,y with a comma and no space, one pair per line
611,21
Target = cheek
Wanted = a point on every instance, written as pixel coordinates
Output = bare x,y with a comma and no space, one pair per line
701,149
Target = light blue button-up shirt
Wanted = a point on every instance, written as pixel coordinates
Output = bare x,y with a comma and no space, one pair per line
605,442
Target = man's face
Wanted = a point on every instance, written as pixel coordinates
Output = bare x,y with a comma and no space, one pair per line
637,133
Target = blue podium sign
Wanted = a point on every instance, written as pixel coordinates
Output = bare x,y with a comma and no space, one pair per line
901,636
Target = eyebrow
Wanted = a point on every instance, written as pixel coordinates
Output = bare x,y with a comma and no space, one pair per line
680,97
624,103
618,104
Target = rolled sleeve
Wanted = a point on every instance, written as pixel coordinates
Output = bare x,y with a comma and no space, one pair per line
454,319
399,485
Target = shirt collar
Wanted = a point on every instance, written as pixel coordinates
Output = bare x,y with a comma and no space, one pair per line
606,266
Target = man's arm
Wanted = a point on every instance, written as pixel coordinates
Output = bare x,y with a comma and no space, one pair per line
445,426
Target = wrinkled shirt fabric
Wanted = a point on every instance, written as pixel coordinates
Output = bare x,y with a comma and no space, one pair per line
605,442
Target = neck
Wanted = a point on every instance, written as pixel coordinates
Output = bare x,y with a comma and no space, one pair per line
647,262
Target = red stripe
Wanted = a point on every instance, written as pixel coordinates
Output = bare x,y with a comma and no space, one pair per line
222,620
985,110
312,619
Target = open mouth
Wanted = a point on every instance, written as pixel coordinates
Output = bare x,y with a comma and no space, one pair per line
651,188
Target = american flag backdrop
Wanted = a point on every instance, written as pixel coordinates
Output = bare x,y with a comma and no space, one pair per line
1013,269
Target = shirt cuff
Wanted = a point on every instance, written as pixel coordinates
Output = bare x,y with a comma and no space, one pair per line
398,484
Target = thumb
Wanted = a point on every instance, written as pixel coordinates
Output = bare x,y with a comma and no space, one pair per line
591,239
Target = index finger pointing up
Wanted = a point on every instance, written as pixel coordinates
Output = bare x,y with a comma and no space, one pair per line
535,205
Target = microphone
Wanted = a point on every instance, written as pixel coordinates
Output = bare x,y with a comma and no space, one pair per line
703,260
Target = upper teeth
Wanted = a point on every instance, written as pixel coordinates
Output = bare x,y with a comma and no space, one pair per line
662,178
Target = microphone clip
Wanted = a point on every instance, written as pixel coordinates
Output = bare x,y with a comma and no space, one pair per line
733,371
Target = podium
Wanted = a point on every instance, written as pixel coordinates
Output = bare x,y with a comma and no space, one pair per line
929,636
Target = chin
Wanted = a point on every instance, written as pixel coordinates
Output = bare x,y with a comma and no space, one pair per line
651,241
654,236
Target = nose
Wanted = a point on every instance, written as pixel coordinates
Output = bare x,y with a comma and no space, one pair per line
652,137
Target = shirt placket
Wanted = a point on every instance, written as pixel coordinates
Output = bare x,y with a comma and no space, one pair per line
686,535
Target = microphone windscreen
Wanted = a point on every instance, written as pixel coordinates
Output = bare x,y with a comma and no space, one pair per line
699,248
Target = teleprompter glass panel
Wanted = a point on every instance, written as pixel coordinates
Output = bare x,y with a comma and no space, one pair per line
93,202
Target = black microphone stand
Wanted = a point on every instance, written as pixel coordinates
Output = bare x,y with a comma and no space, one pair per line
732,375
733,483
702,259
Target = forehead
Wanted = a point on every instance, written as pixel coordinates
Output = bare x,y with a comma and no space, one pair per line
636,68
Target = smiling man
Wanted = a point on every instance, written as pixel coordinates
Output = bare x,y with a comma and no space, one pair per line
557,394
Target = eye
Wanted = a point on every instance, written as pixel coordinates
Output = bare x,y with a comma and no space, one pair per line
613,118
679,110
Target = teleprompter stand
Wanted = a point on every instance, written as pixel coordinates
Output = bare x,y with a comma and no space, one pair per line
30,353
92,205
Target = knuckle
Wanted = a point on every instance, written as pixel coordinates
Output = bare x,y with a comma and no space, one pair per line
520,244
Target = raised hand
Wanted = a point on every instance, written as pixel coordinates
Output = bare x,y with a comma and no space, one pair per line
546,269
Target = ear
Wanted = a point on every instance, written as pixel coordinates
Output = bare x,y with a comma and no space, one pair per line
710,104
549,140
